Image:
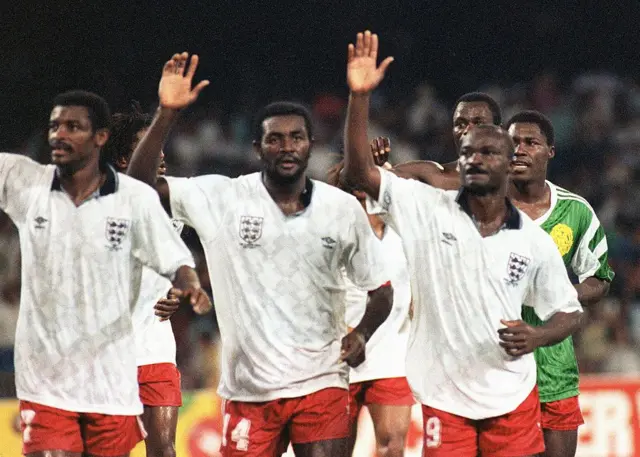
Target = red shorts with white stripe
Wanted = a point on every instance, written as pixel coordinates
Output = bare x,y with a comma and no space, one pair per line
45,428
159,385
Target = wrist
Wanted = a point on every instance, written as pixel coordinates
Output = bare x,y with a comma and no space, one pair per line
166,112
363,332
360,95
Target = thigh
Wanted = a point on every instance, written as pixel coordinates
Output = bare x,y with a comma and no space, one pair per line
560,443
516,434
448,435
159,385
390,422
325,448
46,429
356,401
160,423
110,435
254,429
321,416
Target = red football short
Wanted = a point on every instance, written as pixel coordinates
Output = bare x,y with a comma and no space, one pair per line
517,433
388,391
264,429
159,385
45,428
562,414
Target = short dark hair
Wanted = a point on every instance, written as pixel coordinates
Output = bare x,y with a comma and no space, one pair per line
283,108
497,131
124,128
483,98
98,108
534,117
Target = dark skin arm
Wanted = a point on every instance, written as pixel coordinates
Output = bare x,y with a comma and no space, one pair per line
377,311
592,290
519,338
363,76
174,93
441,176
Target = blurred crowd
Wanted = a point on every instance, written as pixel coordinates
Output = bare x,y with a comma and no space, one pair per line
597,121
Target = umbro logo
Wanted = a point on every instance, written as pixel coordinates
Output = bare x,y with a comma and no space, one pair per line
328,242
448,238
40,221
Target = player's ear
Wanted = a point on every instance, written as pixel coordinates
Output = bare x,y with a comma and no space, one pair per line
122,163
101,136
552,152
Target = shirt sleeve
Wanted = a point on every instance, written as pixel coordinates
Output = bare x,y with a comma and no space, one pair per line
591,257
156,243
201,202
400,199
551,290
18,177
363,255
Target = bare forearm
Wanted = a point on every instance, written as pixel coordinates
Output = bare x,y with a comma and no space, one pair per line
358,161
592,290
559,327
377,311
186,278
145,159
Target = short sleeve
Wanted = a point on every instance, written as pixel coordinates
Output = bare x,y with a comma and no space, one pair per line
201,202
551,290
156,243
19,176
363,256
400,199
591,257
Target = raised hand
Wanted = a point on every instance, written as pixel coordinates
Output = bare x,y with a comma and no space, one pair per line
380,148
174,90
363,74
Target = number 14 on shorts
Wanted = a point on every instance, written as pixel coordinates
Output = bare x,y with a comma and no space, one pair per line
239,434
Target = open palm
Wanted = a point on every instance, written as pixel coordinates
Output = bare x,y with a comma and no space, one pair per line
363,74
175,90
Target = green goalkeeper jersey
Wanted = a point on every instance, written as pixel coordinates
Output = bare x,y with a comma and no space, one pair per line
581,240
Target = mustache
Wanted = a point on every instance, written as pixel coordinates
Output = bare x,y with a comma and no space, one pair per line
288,158
475,170
61,145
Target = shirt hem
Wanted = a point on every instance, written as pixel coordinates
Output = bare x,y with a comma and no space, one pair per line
108,410
283,393
151,361
560,396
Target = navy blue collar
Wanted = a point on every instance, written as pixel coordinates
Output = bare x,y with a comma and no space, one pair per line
109,186
513,220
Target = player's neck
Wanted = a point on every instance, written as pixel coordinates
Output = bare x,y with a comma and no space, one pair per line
530,191
488,209
80,182
283,192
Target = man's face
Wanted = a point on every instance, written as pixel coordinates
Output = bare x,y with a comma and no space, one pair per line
284,148
72,138
484,161
532,152
467,115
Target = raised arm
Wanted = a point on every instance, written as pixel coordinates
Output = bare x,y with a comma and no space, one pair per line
363,76
174,94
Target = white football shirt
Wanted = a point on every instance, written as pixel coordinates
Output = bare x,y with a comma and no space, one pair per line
385,353
277,282
74,340
155,342
463,285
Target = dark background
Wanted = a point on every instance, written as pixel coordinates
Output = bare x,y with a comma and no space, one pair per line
255,51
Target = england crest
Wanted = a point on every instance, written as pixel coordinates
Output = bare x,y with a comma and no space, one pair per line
250,230
516,268
115,231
